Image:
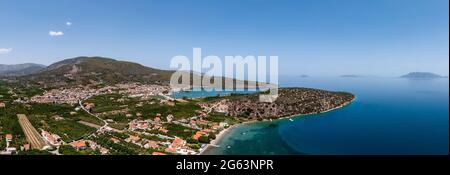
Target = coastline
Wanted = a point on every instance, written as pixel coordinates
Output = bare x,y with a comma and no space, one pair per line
222,133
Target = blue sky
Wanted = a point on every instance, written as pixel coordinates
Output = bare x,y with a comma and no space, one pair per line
314,37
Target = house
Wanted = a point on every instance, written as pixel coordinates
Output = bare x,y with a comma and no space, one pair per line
93,145
26,147
79,145
2,105
169,118
8,137
198,134
162,129
132,126
178,142
53,139
171,150
114,140
151,144
57,117
206,130
142,125
158,154
89,106
215,127
104,151
133,139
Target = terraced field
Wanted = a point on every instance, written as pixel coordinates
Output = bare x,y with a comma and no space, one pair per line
32,135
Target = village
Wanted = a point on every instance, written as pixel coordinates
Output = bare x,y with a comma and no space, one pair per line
73,95
143,134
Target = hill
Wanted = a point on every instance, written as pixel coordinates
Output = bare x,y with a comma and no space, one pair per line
95,70
100,70
20,69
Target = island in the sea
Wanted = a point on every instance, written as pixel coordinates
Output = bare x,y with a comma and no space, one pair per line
100,106
421,75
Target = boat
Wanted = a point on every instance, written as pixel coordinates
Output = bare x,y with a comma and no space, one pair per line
290,119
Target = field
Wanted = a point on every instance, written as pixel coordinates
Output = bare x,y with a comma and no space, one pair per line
32,135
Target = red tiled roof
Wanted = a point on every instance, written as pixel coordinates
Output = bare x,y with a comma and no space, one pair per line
171,150
158,153
78,144
115,140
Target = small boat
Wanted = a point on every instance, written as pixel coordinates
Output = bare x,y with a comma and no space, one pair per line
290,119
270,119
228,147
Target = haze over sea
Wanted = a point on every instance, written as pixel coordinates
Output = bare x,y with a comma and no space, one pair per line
389,116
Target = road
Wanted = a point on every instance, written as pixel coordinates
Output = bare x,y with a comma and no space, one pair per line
96,116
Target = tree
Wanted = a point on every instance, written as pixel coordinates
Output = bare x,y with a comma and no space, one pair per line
203,139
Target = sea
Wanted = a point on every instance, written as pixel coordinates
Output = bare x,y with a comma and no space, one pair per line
390,116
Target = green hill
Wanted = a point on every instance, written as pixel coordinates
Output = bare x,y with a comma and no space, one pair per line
92,70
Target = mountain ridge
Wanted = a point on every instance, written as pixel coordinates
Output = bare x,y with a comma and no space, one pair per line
20,69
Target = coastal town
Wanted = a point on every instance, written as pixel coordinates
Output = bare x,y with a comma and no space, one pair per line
137,119
128,128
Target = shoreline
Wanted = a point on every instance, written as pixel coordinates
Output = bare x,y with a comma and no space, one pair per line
222,133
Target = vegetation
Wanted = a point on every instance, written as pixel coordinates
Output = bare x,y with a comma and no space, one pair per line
111,102
221,117
34,152
68,150
179,110
179,131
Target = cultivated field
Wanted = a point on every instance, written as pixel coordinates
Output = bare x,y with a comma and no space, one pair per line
32,135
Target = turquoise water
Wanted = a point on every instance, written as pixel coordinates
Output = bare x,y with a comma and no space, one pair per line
391,116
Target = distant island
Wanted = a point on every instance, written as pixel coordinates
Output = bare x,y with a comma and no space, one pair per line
304,76
422,75
350,76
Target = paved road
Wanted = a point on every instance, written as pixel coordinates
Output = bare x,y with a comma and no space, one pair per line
96,116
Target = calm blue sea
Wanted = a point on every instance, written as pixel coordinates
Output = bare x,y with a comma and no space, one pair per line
391,116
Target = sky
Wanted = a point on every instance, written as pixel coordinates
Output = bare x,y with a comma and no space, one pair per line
312,37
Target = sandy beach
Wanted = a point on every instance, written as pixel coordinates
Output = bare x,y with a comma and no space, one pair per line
218,137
